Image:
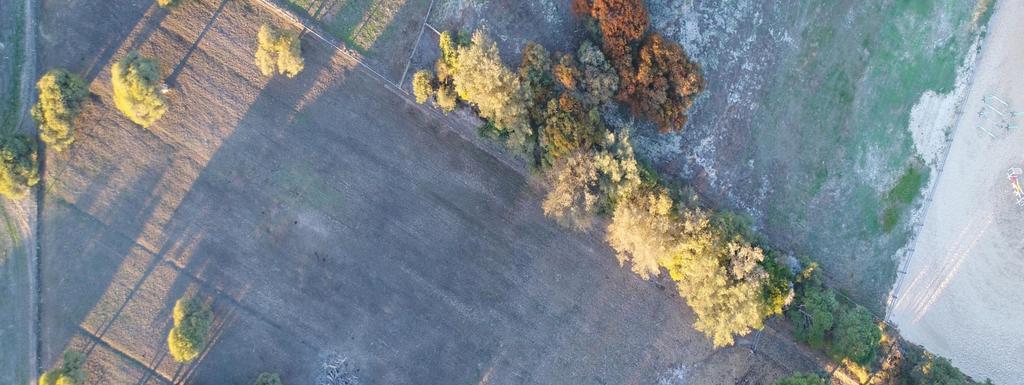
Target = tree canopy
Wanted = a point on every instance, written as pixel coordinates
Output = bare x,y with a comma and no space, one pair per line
801,379
187,338
278,51
60,100
856,336
268,379
136,81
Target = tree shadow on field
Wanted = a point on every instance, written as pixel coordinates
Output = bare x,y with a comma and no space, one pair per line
173,77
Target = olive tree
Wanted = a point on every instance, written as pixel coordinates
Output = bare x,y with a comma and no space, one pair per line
136,82
278,51
60,100
187,338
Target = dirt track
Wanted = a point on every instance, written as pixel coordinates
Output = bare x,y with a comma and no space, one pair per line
325,214
963,296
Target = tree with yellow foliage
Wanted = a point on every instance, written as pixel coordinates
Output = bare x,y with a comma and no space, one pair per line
278,51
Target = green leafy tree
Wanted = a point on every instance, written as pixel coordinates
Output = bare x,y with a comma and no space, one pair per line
278,51
268,379
19,166
60,100
69,373
422,87
482,80
801,379
856,336
599,80
814,316
136,81
187,338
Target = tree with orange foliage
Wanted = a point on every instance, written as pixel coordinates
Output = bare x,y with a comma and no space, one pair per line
665,84
622,24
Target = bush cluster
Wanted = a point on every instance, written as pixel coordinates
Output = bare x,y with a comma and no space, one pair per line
69,373
278,51
187,338
268,379
136,82
60,100
801,379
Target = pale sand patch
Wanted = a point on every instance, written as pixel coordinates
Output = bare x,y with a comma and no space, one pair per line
963,296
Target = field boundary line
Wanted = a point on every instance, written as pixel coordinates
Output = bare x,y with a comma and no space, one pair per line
416,44
918,226
28,70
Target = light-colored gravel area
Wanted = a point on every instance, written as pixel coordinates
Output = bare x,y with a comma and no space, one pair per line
963,295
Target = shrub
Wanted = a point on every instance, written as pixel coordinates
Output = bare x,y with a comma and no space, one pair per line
168,3
665,84
19,167
136,80
69,373
856,336
278,51
481,79
422,86
599,80
268,379
187,338
801,379
60,100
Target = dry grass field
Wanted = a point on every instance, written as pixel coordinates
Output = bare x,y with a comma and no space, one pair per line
325,214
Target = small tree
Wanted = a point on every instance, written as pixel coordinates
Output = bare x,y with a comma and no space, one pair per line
268,379
19,167
60,100
187,338
278,51
69,373
446,98
856,336
422,86
168,3
136,81
801,379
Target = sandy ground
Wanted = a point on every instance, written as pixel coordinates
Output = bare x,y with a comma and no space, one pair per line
963,296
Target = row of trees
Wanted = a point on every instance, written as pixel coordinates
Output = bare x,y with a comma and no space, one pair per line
549,108
138,91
